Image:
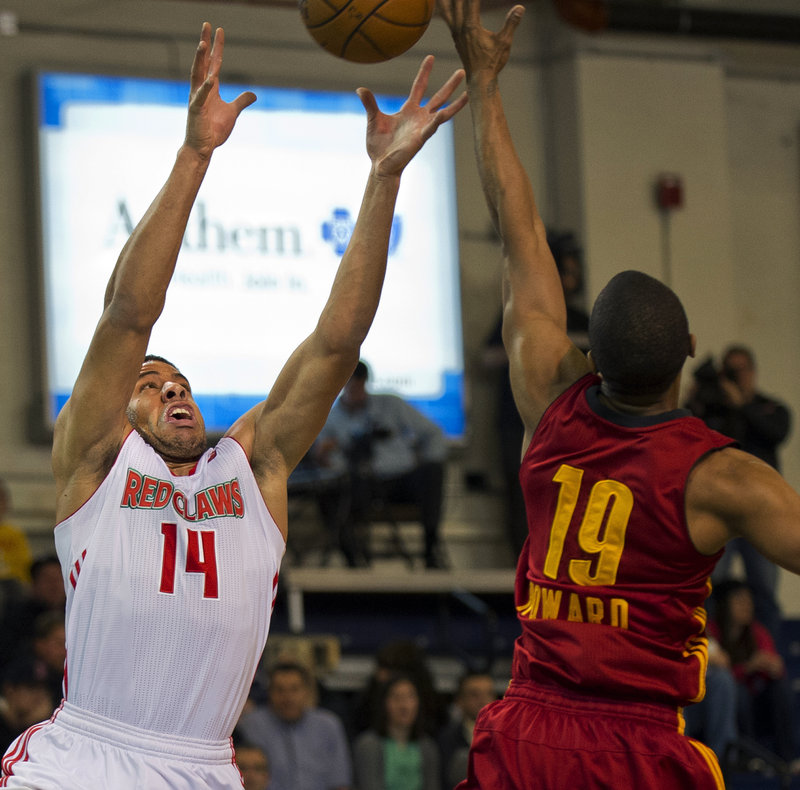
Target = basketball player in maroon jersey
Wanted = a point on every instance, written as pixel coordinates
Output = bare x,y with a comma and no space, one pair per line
630,502
170,550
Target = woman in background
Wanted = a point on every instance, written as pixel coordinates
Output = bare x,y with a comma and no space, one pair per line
395,753
764,697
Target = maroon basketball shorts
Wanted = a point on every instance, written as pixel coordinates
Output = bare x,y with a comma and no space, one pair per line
541,739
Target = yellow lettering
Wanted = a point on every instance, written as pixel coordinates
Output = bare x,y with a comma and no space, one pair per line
545,603
536,600
575,615
594,610
619,612
551,604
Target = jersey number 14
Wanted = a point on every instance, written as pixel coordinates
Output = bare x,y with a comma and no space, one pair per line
201,557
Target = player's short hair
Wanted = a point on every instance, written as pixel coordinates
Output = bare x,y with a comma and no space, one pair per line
156,358
638,335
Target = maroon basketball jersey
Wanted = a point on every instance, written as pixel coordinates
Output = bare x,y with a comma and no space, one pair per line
610,590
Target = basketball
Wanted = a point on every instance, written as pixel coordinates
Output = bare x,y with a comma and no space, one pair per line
366,31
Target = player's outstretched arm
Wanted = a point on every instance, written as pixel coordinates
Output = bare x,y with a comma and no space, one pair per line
731,493
542,359
280,431
93,424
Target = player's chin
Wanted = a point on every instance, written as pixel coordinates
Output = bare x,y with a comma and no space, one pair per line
180,444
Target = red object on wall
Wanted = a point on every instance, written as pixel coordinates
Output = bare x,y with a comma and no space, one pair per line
669,191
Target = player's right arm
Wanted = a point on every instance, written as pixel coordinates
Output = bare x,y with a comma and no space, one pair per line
542,359
92,425
731,494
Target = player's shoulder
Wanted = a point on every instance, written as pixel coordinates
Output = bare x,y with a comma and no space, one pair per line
720,476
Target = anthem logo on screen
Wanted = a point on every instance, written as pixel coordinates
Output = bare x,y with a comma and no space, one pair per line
339,228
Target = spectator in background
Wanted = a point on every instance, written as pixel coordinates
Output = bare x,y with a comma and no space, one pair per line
568,256
46,594
15,552
253,764
44,657
764,698
404,657
390,451
25,701
475,691
728,401
395,753
306,745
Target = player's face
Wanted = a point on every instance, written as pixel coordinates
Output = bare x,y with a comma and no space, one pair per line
164,413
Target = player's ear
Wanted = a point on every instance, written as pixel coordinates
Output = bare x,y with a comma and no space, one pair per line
592,363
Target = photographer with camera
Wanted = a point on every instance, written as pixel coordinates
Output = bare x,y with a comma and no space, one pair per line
388,450
728,401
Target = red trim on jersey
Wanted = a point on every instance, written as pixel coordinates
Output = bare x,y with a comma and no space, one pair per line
274,589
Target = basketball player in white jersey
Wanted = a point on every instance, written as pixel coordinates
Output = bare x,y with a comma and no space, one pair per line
170,551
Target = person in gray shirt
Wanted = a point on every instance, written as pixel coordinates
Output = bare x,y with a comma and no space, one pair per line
307,745
385,448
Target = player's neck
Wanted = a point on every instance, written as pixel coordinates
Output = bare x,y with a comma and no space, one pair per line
630,406
181,468
643,404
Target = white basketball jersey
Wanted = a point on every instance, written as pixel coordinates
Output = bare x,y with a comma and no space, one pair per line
170,587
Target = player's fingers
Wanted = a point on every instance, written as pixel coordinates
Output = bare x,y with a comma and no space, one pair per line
201,94
456,11
215,61
198,73
243,100
444,115
513,18
446,91
421,80
446,11
368,100
472,13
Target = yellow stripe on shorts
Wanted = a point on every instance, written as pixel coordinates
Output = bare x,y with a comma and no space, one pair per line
711,761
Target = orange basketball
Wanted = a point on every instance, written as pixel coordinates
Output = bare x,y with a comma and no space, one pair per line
366,31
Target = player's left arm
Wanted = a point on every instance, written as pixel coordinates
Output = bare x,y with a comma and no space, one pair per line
278,432
730,494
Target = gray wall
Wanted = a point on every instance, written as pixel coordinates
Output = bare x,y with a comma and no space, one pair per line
596,119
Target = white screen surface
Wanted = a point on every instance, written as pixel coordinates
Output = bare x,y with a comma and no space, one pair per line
262,244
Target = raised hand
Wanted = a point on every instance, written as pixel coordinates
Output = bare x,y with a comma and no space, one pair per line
480,50
393,140
211,119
